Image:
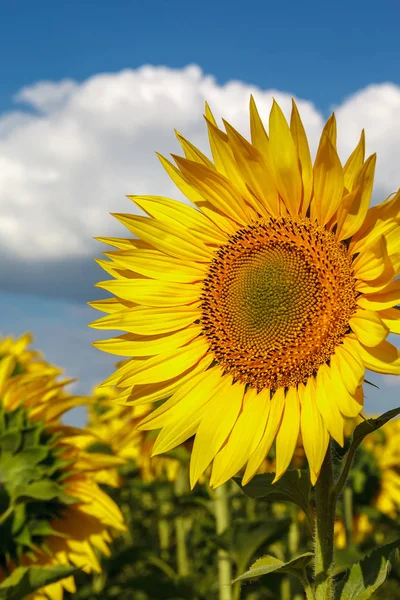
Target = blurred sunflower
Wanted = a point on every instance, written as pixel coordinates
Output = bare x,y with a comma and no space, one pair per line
374,481
257,310
384,448
52,511
116,426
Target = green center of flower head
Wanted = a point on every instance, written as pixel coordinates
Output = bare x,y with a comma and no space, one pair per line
277,300
31,483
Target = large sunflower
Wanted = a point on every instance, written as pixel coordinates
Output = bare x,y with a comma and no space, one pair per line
257,310
52,511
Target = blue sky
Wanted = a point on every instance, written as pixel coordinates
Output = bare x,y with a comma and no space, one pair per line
81,117
311,49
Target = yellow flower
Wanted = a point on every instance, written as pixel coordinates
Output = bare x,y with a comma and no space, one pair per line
257,310
116,426
52,510
384,446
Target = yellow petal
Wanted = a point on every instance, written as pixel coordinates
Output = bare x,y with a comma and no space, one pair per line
330,130
368,327
350,364
303,151
172,211
245,436
143,394
285,160
224,224
149,321
256,172
175,240
326,405
108,305
347,403
380,220
151,292
155,264
134,345
373,263
271,429
386,298
215,427
383,358
171,410
222,155
355,212
215,188
164,367
354,163
328,182
259,137
183,420
313,431
123,243
391,318
193,153
288,433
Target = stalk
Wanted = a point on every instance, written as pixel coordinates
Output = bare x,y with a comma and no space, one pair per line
181,526
324,521
222,517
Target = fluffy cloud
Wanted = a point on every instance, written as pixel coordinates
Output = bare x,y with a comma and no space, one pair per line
72,152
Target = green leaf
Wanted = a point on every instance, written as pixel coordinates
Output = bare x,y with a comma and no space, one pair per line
365,577
294,486
25,580
248,536
44,490
11,441
270,564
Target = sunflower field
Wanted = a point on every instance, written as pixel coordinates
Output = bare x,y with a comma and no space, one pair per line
228,456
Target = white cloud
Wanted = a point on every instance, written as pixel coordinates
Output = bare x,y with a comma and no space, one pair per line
68,163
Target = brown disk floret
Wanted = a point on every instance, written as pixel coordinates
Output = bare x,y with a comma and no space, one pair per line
277,301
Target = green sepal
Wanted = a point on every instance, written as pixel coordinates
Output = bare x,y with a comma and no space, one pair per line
366,576
25,580
11,441
270,564
294,486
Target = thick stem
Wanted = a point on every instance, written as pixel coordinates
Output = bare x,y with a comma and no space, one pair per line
222,517
324,521
182,526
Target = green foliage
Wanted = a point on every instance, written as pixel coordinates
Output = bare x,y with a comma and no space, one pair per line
25,580
294,486
31,484
269,564
365,577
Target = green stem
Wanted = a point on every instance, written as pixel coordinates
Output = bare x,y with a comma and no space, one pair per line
6,514
307,586
347,462
182,526
348,513
222,516
325,503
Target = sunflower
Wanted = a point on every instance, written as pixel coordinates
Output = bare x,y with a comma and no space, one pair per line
52,511
384,448
116,426
255,309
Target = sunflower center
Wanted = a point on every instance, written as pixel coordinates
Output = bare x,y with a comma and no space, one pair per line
277,301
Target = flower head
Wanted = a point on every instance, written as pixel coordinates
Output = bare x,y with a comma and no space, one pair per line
255,309
52,511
